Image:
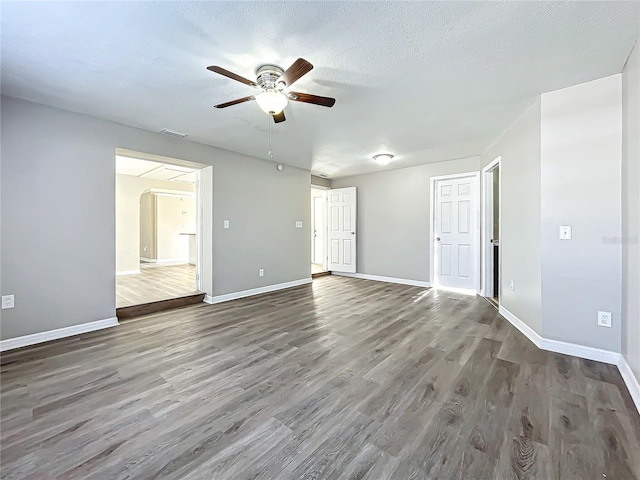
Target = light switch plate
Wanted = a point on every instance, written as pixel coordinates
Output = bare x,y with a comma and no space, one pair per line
298,224
226,224
565,232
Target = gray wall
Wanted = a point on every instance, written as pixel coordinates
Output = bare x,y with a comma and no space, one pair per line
319,181
58,215
393,218
519,149
631,211
580,170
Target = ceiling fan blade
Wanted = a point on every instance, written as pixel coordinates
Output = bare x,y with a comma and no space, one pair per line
227,73
299,68
279,117
315,99
234,102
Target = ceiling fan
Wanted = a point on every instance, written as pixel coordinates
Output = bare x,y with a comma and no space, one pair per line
274,82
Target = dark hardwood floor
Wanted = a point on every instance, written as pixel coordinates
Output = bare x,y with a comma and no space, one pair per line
342,379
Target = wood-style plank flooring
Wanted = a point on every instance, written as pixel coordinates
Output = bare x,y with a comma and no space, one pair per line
342,379
155,283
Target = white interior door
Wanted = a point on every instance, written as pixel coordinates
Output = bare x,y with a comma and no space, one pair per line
456,233
342,229
318,230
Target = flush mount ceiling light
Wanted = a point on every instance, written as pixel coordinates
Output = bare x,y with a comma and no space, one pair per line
383,158
272,102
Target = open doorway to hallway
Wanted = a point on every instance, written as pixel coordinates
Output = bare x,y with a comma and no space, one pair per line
491,232
157,229
318,230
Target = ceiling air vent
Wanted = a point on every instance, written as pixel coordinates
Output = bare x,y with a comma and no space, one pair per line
173,133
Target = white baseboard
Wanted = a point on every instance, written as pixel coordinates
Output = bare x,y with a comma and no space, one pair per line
165,261
582,351
127,272
255,291
525,329
630,380
379,278
558,346
35,338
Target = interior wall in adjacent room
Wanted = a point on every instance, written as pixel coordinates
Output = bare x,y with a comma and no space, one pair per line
393,218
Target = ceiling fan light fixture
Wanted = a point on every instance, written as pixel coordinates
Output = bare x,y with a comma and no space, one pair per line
272,102
383,158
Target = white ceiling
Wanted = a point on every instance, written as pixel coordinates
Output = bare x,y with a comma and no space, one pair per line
158,171
426,81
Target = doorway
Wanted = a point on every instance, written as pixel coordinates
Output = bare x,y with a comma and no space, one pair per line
455,232
158,231
333,230
318,230
491,265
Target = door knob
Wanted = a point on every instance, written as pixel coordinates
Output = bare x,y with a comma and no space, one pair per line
353,233
438,238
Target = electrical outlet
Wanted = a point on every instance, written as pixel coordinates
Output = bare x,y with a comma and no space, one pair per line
7,301
511,286
145,249
261,272
604,319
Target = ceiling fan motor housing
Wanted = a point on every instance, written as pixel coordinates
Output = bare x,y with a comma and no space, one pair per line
267,78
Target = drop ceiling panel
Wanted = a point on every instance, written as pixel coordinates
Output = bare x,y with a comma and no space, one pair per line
134,166
163,173
157,171
187,177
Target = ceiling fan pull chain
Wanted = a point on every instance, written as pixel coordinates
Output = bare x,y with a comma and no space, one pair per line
270,152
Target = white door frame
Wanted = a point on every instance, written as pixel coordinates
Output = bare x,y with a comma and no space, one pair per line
486,289
432,229
325,257
205,229
199,229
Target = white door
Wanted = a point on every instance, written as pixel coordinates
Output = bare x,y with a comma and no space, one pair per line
342,229
318,230
456,233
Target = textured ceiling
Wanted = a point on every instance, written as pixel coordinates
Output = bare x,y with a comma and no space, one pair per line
426,81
